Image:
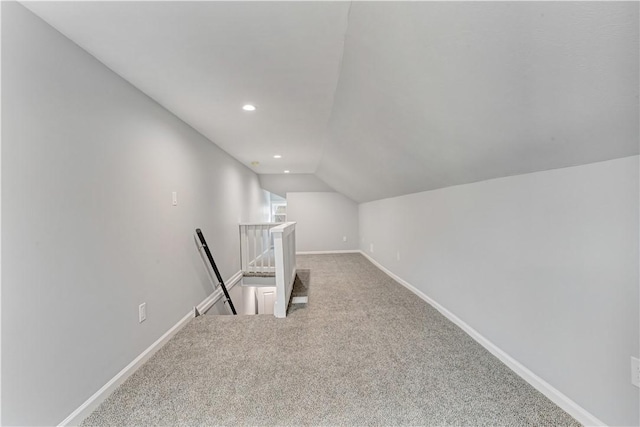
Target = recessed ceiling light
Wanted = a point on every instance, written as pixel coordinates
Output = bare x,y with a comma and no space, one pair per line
286,171
277,156
249,107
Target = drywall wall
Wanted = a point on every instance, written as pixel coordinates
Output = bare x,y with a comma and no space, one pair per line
544,265
281,184
89,164
323,221
221,307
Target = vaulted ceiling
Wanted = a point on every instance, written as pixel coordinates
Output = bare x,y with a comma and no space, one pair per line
383,98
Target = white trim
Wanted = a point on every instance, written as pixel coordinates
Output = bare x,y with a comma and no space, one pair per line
284,228
564,402
208,302
0,241
76,417
90,405
284,249
347,251
300,300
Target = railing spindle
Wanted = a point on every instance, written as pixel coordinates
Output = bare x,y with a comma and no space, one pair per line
262,248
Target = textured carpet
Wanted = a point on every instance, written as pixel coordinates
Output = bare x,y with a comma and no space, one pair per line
363,351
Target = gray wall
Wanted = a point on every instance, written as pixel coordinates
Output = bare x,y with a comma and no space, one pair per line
544,265
323,219
88,230
281,184
221,307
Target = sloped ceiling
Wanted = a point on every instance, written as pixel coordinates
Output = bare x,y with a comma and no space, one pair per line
382,99
437,94
284,183
204,60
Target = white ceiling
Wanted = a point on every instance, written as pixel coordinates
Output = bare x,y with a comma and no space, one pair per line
381,99
284,183
438,94
204,60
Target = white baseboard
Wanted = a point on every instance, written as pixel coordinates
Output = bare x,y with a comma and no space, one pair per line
347,251
208,302
99,396
557,397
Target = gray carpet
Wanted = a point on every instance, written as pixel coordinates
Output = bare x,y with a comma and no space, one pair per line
363,351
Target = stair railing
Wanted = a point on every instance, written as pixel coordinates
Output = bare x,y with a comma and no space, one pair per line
284,247
256,247
270,249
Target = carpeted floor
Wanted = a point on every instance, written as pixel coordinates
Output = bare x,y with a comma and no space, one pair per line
363,351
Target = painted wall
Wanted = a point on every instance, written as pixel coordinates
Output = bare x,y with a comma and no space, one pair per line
323,220
281,184
221,307
88,229
544,265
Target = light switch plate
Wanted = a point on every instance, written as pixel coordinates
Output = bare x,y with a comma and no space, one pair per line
142,312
